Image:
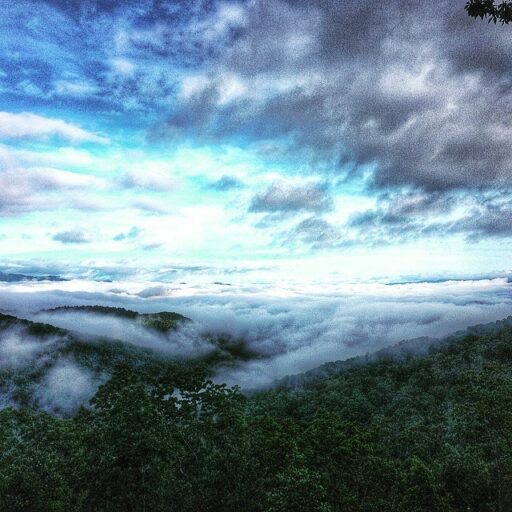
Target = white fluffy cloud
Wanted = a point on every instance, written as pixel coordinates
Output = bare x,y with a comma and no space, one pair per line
32,126
43,188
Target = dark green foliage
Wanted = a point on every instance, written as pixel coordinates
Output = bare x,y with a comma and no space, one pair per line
100,355
500,12
39,458
33,328
102,310
229,351
8,277
168,441
413,434
163,321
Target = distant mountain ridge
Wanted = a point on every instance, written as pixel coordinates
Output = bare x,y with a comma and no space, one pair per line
228,348
8,277
100,354
162,321
35,355
415,347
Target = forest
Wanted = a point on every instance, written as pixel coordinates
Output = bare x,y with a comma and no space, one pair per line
401,434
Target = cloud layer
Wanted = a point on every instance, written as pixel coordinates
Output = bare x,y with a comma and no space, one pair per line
284,197
285,331
417,89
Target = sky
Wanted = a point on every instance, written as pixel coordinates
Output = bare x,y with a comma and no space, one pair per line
263,141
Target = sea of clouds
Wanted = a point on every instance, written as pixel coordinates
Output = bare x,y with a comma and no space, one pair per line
289,330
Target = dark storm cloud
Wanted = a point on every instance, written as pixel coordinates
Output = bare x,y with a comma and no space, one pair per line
285,197
397,218
415,88
404,217
314,232
71,237
227,183
411,97
404,211
492,218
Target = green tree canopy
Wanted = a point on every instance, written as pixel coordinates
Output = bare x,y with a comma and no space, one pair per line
501,12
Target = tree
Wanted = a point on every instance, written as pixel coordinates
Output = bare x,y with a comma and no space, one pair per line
38,463
169,442
488,9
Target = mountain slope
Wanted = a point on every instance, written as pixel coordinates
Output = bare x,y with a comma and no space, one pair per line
39,360
405,434
162,321
44,365
416,347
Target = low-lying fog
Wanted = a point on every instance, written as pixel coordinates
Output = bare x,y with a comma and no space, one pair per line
289,331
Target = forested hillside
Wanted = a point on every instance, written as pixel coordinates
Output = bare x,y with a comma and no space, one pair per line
47,367
414,434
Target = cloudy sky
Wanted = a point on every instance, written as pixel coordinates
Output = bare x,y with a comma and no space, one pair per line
278,138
